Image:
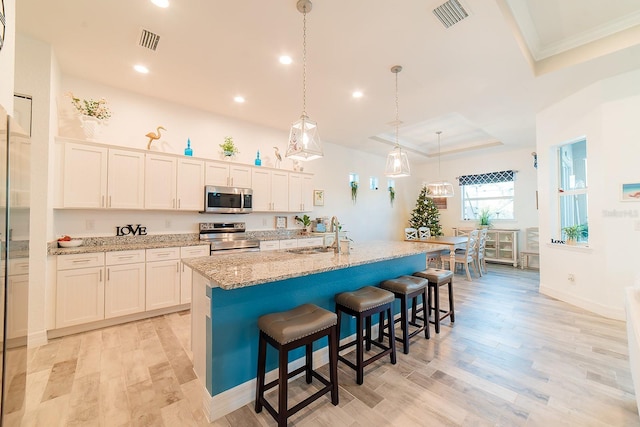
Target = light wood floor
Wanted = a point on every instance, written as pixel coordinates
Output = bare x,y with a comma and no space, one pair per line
513,357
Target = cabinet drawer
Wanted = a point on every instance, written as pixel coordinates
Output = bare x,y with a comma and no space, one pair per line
18,266
162,254
124,257
269,245
314,241
67,262
194,251
290,243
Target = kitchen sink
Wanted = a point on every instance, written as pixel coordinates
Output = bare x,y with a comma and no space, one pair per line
317,250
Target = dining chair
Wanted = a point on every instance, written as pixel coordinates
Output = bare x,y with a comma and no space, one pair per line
480,259
410,233
424,232
467,257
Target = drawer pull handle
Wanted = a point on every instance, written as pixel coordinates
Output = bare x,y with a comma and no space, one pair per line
75,261
125,256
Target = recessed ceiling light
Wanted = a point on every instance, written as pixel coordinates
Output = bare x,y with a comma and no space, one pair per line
141,69
238,99
286,60
161,3
357,94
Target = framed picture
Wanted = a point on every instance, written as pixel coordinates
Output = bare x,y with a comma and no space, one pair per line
440,202
281,222
631,192
318,197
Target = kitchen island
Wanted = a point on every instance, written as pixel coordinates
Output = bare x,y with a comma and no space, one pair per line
231,291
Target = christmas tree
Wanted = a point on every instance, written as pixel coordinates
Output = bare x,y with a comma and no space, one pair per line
426,214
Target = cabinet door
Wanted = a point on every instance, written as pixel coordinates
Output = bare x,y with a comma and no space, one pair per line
280,191
124,290
240,176
295,192
163,284
190,185
79,296
217,173
307,193
159,182
186,276
126,179
261,179
18,298
84,176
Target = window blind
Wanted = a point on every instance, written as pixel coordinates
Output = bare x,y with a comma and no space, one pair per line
487,178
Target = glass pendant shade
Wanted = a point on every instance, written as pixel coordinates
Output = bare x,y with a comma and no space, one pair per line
440,189
397,163
304,141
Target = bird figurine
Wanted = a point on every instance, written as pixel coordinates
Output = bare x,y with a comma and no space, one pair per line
278,157
153,136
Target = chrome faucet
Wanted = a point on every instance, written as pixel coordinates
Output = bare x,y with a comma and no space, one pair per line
335,227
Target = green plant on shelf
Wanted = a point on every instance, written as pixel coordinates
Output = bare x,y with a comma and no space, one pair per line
228,147
354,190
575,232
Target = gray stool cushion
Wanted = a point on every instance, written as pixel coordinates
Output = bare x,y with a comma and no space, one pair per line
435,275
288,326
404,284
365,298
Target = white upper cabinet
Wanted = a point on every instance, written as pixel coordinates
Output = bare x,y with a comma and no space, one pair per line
160,182
300,192
85,176
270,190
125,179
228,175
190,185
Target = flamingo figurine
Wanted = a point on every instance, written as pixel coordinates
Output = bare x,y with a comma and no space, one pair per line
153,136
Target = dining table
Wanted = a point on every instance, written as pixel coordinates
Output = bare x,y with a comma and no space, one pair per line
452,242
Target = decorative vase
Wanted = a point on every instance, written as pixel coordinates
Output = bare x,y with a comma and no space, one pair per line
91,127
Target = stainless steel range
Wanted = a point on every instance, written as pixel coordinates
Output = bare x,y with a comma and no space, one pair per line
227,237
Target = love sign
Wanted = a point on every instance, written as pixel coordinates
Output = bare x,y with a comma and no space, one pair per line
131,230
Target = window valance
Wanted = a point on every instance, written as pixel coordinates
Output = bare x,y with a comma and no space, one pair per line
487,178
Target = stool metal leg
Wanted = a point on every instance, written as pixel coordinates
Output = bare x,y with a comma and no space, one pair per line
452,315
333,364
309,362
404,323
359,352
436,315
283,379
392,336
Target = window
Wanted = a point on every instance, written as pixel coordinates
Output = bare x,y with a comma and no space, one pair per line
492,192
572,190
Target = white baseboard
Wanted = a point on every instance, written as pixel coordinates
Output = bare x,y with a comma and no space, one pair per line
36,339
616,313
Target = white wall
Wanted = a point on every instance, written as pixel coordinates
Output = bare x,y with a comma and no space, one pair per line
606,113
7,55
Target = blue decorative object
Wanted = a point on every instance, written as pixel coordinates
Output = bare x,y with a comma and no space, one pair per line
258,162
188,151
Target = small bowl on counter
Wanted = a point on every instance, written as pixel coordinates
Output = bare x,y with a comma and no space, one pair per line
73,243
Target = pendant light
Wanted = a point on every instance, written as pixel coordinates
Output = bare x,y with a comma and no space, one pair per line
304,141
439,188
397,161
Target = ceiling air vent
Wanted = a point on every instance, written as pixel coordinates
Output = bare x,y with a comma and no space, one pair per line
450,13
149,40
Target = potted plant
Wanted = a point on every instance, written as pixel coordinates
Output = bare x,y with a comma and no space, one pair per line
485,218
354,190
574,233
229,148
392,195
305,221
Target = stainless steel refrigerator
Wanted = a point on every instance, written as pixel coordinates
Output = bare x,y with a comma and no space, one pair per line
15,184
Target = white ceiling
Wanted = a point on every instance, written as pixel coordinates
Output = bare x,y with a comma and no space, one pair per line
480,81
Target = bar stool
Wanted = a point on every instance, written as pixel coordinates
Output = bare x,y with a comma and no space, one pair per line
362,304
438,277
286,331
408,288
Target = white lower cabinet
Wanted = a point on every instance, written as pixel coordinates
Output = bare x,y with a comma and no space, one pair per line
18,296
186,274
163,278
124,291
80,289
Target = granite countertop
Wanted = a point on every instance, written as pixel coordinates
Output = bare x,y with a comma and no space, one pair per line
239,270
109,244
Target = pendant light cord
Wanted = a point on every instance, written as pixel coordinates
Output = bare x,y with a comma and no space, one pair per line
397,112
304,62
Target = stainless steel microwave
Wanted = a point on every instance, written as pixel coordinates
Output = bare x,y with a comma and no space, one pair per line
227,200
